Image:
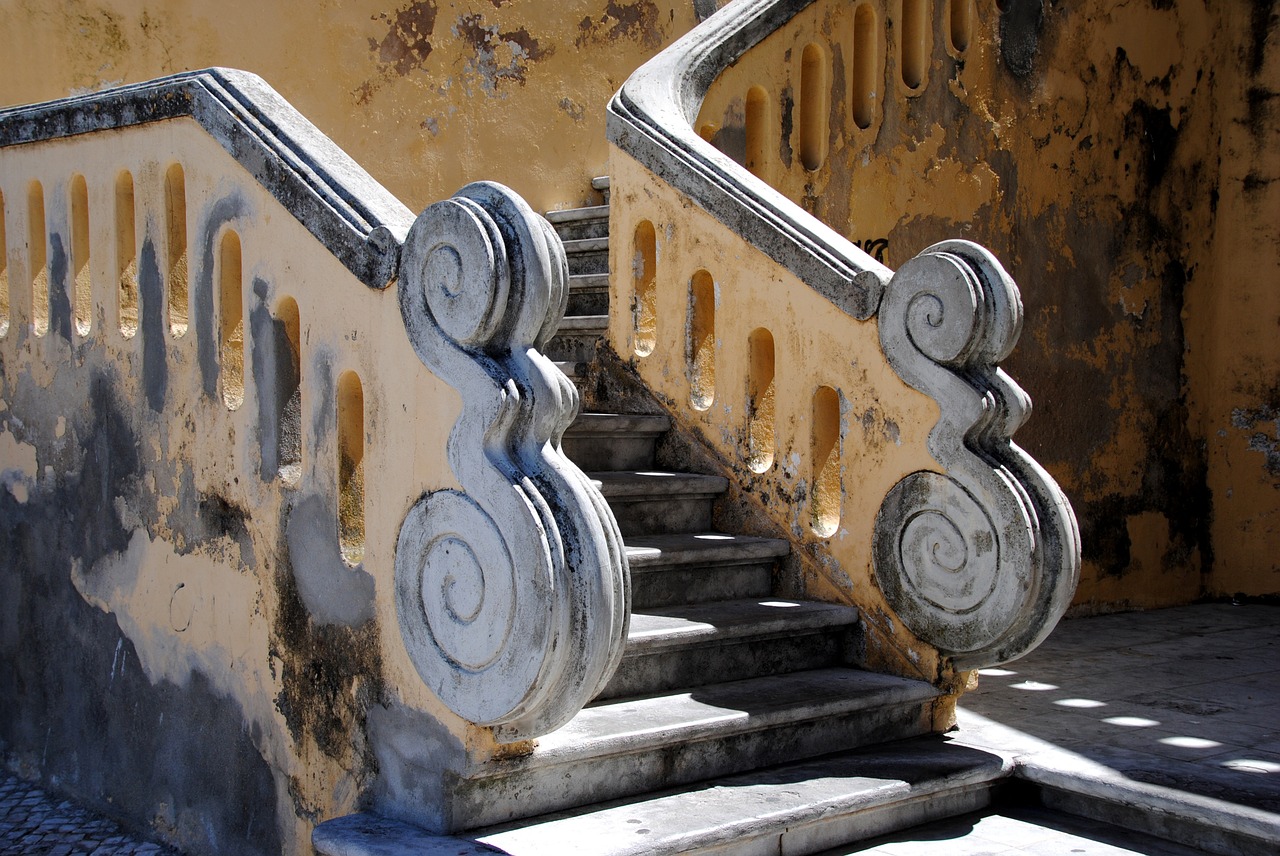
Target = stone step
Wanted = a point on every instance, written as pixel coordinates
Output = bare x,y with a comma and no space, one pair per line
576,338
699,567
802,808
614,441
588,294
677,647
653,503
572,223
601,183
623,748
587,255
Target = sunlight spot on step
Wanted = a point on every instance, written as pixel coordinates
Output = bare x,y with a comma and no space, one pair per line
1189,742
784,603
1033,686
1251,765
1131,721
997,673
1079,702
713,537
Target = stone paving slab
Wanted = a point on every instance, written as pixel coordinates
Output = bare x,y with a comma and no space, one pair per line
36,823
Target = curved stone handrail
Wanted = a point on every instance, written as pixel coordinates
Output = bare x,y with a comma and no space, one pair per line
980,562
513,596
355,217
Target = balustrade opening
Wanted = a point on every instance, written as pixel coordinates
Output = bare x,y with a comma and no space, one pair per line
866,66
37,254
825,457
126,256
351,468
175,217
760,398
702,340
80,248
961,19
4,273
289,380
913,47
231,320
644,278
757,132
813,106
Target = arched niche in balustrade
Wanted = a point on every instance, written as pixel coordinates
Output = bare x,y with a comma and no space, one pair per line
4,272
760,400
644,281
913,43
175,224
701,347
126,256
37,259
815,100
231,319
867,73
82,279
825,491
288,390
350,401
960,15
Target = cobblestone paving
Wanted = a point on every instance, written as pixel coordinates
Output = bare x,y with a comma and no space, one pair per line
35,823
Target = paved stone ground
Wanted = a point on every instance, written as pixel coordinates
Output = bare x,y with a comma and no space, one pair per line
1183,698
35,823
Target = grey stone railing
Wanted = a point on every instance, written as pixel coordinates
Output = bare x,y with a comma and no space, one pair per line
354,216
513,597
981,561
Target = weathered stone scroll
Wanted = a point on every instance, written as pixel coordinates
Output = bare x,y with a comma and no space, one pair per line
980,562
513,594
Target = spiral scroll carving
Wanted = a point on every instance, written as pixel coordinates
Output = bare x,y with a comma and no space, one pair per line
982,561
512,596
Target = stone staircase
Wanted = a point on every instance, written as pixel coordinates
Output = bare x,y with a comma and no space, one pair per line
736,717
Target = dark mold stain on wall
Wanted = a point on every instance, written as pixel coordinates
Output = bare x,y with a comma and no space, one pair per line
222,212
407,43
485,41
59,285
75,704
155,372
636,21
1021,24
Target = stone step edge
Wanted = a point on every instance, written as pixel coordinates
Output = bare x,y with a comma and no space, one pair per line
688,721
832,800
596,324
644,555
651,485
591,425
586,245
585,282
648,636
577,215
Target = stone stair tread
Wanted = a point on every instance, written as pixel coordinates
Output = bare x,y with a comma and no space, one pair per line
573,215
624,484
600,182
701,548
716,710
679,626
789,808
584,323
586,245
589,282
619,423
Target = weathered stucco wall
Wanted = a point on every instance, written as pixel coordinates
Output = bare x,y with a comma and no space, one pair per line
1120,160
426,95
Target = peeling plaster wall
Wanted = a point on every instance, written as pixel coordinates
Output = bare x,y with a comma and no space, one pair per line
182,644
1120,159
427,95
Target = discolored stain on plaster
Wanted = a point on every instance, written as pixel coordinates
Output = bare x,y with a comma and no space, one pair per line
636,21
1262,424
572,109
59,302
219,214
788,104
332,592
155,369
407,43
498,56
1264,20
1021,24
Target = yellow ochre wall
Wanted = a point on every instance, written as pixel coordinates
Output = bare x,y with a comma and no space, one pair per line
1121,160
426,95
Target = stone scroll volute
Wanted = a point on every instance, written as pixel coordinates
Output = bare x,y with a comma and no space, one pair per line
980,561
512,594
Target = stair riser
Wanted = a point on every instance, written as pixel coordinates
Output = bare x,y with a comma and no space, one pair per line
682,668
575,347
598,452
594,228
661,514
526,793
683,584
594,261
593,302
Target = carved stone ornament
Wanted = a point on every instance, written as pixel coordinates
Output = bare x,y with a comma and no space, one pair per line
513,597
980,561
